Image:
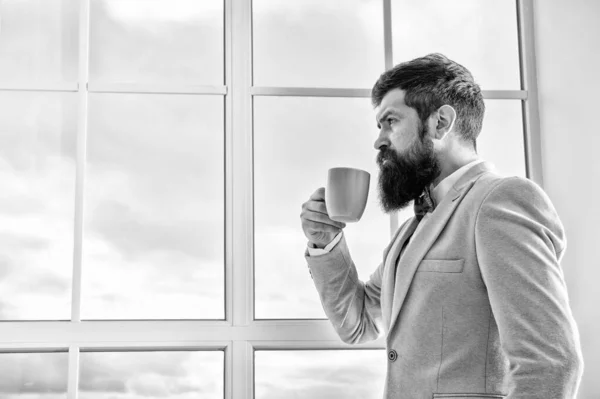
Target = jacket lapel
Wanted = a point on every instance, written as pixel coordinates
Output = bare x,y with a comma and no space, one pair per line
427,235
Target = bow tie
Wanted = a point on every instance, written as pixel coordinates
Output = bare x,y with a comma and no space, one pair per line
423,204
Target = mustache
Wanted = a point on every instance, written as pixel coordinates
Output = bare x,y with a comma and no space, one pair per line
384,155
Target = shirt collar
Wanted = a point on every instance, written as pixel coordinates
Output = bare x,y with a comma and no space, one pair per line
440,191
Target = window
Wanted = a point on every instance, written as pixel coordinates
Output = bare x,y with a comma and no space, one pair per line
154,157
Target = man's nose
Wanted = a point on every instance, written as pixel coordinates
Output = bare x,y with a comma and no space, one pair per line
382,141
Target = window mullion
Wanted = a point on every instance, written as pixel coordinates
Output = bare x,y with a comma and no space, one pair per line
531,118
240,272
153,88
82,124
239,371
241,161
242,371
387,34
43,86
389,63
73,370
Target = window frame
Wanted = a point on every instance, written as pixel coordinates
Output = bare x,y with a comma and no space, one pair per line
239,335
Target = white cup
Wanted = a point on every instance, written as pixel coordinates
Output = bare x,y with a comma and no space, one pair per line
346,194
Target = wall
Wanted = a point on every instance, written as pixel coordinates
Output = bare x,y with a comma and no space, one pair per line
568,63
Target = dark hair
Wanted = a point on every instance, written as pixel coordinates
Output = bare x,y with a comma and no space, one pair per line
432,81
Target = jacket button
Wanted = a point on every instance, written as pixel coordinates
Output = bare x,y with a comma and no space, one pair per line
392,355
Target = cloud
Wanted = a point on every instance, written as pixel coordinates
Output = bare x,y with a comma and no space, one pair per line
94,383
33,373
155,11
122,374
24,242
179,374
36,217
50,284
190,291
6,266
320,373
154,208
39,42
177,265
6,310
318,43
130,41
96,374
151,186
134,234
149,386
480,36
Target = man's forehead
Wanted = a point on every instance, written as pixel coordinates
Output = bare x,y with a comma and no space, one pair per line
392,101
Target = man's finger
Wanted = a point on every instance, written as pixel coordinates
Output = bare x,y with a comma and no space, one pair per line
322,218
318,195
321,227
317,206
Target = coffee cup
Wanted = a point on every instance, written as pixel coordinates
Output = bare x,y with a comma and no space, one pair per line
346,194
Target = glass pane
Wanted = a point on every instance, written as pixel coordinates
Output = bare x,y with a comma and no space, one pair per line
154,208
34,375
501,139
37,171
39,40
480,35
320,374
296,140
136,375
318,43
157,41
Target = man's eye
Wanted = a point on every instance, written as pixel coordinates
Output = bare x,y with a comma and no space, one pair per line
390,120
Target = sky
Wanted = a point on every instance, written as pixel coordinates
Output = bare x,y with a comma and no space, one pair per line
153,231
115,375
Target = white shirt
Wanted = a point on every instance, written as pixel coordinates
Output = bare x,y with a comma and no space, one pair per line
437,194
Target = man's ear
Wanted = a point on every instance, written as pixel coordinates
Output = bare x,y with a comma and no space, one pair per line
446,117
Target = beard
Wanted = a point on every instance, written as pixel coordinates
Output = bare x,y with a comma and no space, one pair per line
403,177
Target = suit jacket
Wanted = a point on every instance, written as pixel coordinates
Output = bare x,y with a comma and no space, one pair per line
475,307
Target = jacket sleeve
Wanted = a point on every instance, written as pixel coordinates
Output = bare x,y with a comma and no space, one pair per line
520,241
353,307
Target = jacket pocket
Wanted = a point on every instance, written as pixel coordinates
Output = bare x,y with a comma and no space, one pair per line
441,265
468,396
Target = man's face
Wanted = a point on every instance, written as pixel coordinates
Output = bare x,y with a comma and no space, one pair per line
406,158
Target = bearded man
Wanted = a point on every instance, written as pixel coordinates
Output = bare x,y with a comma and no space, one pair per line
470,293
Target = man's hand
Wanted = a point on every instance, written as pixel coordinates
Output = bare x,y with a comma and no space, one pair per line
318,228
